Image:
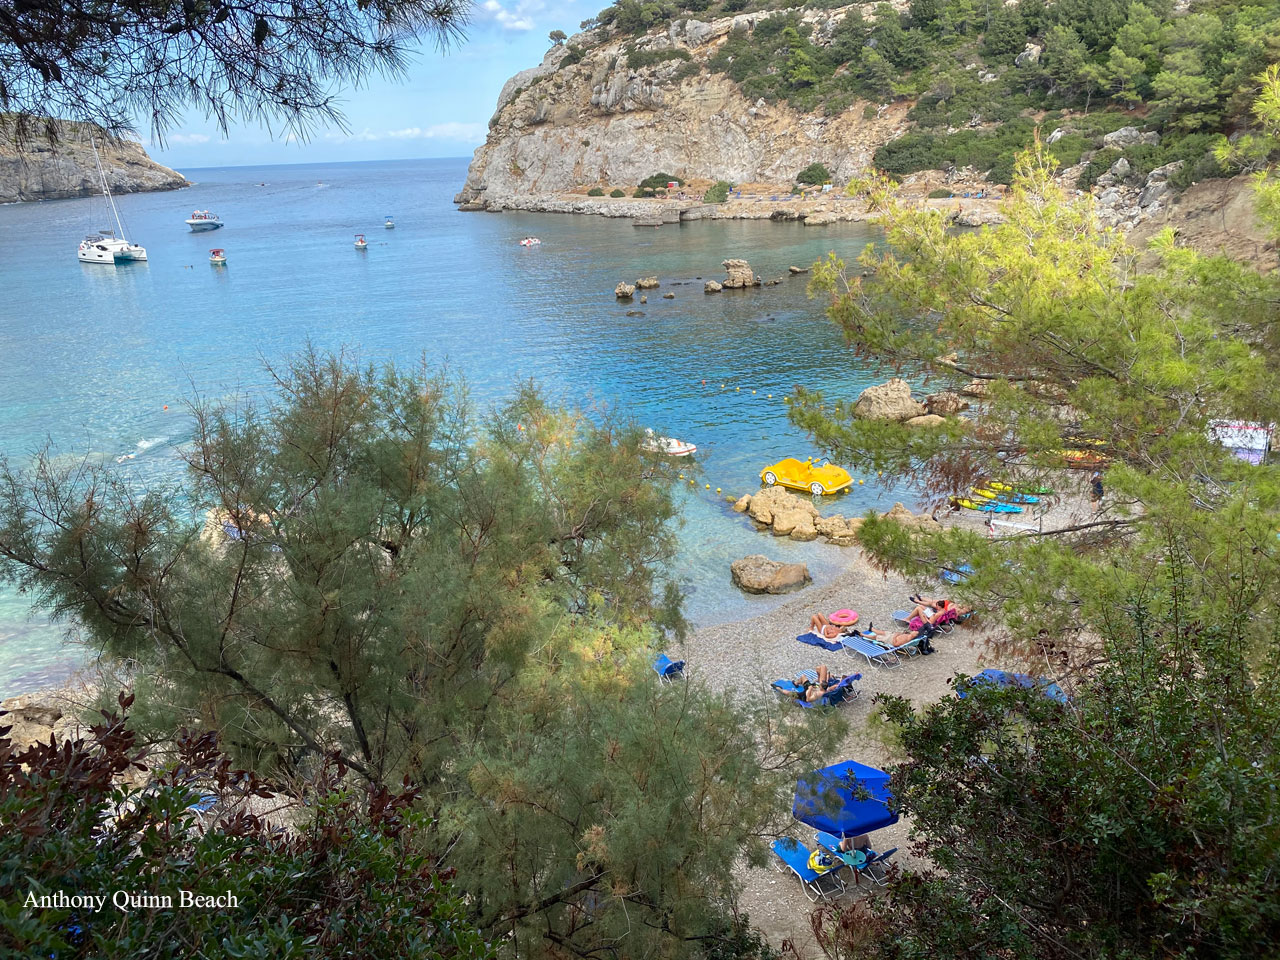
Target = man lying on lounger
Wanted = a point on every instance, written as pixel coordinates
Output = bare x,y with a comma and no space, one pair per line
916,629
813,691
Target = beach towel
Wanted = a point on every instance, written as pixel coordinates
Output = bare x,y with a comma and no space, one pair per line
813,639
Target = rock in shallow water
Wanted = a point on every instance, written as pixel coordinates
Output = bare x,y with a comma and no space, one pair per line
759,574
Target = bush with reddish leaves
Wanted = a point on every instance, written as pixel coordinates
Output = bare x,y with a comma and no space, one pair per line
351,878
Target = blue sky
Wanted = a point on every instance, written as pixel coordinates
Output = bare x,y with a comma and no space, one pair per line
441,109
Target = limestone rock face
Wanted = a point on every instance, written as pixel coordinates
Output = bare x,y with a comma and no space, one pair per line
561,125
739,274
945,403
46,170
646,283
624,291
1029,55
1128,137
759,574
888,401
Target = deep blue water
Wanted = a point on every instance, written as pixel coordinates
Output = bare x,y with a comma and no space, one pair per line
92,354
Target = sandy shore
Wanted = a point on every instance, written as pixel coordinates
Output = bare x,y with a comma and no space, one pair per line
747,655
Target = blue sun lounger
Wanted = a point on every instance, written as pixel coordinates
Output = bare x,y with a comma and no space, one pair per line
874,654
667,669
794,856
842,692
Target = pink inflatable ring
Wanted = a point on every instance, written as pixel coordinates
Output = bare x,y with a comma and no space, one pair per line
844,618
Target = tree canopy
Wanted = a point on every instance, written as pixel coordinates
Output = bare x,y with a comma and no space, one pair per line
366,567
1072,347
257,60
1137,818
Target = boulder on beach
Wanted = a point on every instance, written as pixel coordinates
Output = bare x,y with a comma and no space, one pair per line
888,401
927,420
31,718
624,291
975,388
841,531
739,274
759,574
711,287
904,516
646,283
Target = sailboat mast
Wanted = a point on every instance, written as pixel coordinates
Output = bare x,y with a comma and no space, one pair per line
106,191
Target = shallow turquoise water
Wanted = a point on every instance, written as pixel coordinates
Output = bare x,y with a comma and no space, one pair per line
92,354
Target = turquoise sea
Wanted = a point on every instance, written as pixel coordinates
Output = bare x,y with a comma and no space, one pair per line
93,354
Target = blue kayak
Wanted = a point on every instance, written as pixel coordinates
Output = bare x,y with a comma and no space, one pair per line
987,506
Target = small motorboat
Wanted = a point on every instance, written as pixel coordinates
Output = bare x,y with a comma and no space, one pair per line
217,256
530,242
202,220
361,243
668,445
390,224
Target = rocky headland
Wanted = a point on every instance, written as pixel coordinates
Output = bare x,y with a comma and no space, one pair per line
42,168
604,111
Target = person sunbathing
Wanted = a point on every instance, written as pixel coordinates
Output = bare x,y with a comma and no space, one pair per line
916,630
930,608
823,627
814,691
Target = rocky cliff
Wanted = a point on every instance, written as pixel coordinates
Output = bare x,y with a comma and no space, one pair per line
45,169
584,118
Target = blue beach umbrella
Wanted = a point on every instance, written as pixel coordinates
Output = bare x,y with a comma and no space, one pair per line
846,799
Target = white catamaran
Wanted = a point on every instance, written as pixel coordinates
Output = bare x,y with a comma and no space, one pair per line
108,246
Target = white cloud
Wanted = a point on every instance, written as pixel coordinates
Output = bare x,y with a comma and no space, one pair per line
188,138
519,17
452,130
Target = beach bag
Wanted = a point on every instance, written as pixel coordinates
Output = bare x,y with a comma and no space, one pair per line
820,862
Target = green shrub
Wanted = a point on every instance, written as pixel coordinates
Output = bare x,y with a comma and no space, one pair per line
1098,164
648,58
656,180
643,192
718,193
572,55
870,111
942,193
615,193
595,192
356,880
1070,149
814,174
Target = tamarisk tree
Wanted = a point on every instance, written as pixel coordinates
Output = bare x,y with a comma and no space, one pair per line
256,60
365,567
